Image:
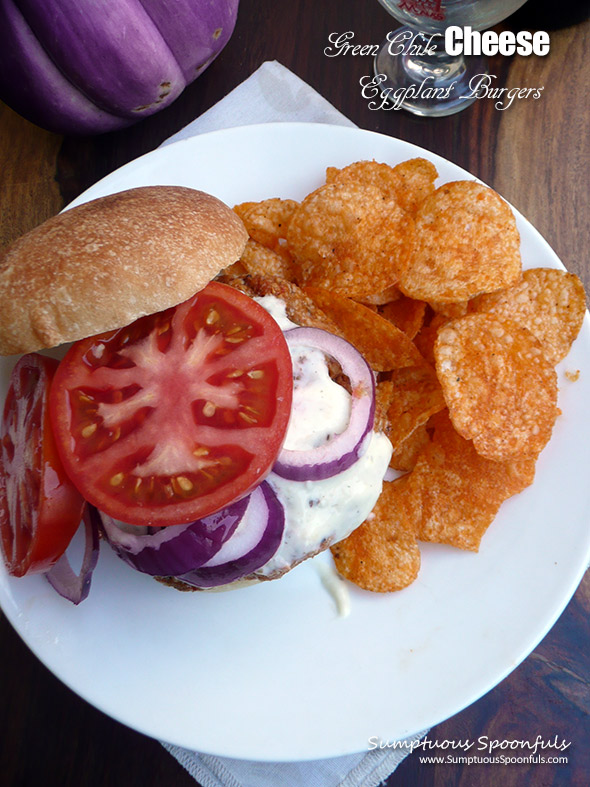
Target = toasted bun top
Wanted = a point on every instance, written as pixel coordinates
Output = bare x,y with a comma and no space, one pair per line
101,265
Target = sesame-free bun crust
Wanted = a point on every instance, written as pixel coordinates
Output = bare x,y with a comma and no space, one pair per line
103,264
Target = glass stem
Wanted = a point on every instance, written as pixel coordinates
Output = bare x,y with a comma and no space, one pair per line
426,58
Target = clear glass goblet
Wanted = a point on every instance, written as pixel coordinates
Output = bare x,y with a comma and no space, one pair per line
414,55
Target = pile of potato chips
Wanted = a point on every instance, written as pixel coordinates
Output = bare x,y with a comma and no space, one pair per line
427,283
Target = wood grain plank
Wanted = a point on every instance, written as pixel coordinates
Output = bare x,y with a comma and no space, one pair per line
29,193
547,178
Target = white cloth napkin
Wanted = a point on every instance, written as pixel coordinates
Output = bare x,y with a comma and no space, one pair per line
366,769
271,94
275,94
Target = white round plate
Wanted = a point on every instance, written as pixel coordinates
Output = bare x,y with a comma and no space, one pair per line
272,672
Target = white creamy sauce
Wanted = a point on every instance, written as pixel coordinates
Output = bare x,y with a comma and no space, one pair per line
335,586
327,510
320,408
278,310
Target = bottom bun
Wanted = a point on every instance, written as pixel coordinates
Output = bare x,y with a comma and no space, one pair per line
251,579
184,587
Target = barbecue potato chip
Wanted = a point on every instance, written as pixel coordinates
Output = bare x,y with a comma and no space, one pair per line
383,345
383,397
549,302
500,389
409,182
415,396
415,182
427,284
381,298
405,456
424,341
406,313
461,491
382,554
426,336
257,258
450,310
267,221
349,238
466,243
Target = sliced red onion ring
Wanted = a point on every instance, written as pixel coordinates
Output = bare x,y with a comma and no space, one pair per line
173,550
62,578
254,542
345,448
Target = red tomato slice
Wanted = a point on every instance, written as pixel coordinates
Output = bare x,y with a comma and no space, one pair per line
177,415
40,509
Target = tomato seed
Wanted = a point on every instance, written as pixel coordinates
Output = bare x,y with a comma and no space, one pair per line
255,374
184,483
212,317
89,430
117,479
209,409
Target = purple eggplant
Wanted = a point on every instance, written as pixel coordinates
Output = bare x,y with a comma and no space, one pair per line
89,66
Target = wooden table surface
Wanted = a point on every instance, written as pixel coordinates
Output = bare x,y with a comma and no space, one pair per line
537,154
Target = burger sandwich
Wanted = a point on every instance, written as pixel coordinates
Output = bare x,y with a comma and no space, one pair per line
208,437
